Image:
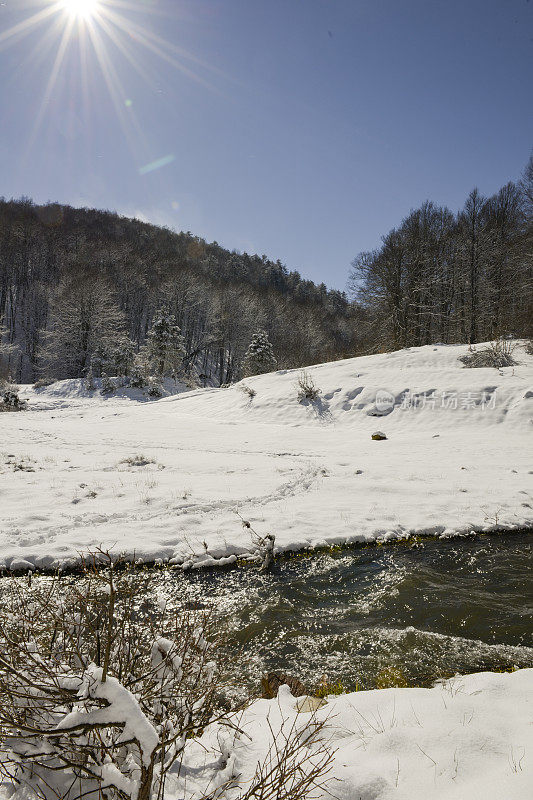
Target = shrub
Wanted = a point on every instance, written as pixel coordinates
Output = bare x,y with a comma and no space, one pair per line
306,388
11,401
498,354
108,387
89,383
42,383
529,347
154,389
102,684
138,460
325,688
391,677
140,370
91,692
247,390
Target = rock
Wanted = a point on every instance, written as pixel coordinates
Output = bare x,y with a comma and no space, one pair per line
378,436
270,684
21,564
309,704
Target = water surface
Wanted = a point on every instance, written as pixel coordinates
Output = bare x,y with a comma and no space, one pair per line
426,612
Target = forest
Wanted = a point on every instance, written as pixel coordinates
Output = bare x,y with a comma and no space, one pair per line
444,277
86,291
75,282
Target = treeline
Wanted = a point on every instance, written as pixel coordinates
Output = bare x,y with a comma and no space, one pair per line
73,280
441,277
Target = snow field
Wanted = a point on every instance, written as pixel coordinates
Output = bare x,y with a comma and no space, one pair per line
165,479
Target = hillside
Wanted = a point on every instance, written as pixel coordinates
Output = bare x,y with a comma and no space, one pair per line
58,264
162,478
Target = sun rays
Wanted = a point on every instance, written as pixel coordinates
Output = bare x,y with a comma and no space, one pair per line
114,39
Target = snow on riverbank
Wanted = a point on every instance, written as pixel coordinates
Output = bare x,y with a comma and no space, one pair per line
468,737
162,478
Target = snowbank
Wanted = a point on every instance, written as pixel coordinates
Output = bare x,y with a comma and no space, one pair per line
73,392
468,737
165,479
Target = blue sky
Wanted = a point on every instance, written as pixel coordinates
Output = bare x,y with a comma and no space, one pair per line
302,129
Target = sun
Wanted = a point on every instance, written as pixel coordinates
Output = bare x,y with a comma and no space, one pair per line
81,9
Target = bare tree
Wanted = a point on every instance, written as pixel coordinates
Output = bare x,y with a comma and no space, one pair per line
84,316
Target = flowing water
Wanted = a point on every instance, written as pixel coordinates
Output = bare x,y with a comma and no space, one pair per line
402,614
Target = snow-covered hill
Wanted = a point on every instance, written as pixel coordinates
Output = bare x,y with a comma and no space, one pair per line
165,479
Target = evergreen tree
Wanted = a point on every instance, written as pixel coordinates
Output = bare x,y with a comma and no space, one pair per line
165,344
259,357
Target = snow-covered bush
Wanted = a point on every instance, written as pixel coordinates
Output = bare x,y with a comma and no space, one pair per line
155,388
123,356
117,356
100,361
90,383
497,354
104,684
93,697
10,400
306,388
108,387
6,351
259,357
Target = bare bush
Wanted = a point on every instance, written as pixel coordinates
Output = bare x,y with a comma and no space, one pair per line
283,774
498,354
306,388
102,685
138,460
247,390
42,383
93,696
529,347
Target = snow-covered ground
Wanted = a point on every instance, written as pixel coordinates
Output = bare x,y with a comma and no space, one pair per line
165,479
469,738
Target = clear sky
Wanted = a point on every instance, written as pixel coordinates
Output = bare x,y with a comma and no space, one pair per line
302,129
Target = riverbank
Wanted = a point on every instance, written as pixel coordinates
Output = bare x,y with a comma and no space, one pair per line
469,737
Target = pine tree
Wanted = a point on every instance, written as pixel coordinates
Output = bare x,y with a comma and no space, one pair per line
165,344
259,357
